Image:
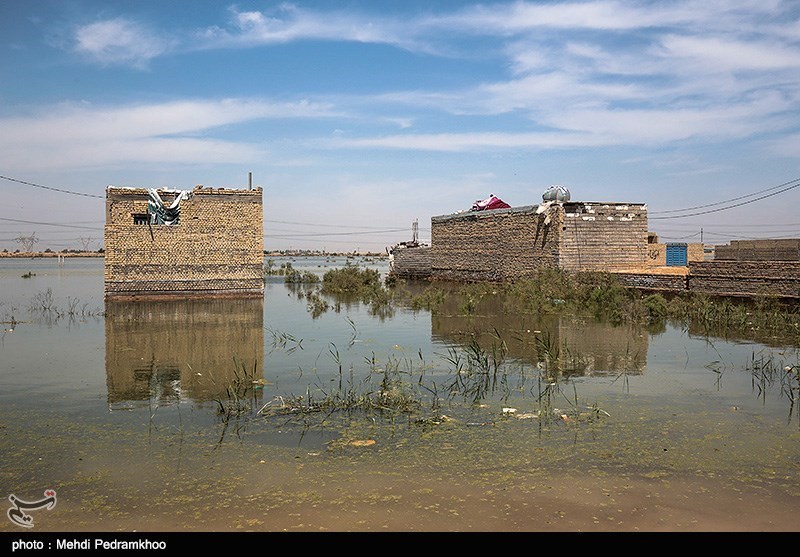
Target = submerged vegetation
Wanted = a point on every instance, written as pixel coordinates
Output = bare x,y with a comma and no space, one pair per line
603,297
481,380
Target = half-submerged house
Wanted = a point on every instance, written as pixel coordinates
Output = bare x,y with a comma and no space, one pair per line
199,243
512,243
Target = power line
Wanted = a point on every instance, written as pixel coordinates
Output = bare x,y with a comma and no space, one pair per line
786,187
331,233
268,221
51,224
49,188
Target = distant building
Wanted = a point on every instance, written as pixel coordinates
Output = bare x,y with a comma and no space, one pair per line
200,243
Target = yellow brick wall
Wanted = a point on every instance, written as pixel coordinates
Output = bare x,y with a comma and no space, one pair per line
509,244
217,249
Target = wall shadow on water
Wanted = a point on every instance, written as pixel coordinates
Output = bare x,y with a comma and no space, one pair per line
167,351
573,345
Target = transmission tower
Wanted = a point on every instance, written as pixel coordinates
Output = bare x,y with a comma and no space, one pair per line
85,243
27,241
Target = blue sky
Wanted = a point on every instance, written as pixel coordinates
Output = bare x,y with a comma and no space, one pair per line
359,117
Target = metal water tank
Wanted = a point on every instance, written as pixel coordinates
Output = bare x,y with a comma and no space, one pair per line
556,193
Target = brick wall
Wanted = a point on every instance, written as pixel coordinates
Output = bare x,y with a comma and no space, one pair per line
745,278
654,281
509,244
216,250
657,254
497,245
603,236
412,263
783,249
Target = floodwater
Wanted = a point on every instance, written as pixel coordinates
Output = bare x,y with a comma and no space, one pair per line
188,416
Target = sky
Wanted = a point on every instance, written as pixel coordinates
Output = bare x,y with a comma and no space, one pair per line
359,117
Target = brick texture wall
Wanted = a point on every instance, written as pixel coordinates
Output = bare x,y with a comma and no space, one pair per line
603,236
510,244
497,245
412,263
657,254
216,250
745,278
784,249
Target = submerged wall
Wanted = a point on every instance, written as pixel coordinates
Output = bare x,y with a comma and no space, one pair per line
496,245
215,250
745,278
510,244
412,263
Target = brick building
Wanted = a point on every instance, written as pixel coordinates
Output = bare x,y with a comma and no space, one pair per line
512,243
201,243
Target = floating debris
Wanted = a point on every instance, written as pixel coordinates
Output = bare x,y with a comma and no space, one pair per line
362,442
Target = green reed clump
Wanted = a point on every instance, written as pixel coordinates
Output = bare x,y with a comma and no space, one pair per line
271,270
352,282
297,277
350,279
766,370
763,316
431,299
242,392
547,291
656,306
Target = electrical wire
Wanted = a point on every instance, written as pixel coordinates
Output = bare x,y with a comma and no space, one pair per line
786,187
48,187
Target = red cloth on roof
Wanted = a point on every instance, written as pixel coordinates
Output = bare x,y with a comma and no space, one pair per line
491,202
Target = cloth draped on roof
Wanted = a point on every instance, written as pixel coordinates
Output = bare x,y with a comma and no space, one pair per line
160,213
491,202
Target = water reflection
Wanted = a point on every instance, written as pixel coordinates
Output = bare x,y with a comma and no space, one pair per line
568,344
165,351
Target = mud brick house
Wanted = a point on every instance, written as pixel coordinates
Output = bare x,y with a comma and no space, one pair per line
748,268
200,243
512,243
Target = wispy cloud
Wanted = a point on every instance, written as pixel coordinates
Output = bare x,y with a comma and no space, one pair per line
290,23
601,72
120,41
87,136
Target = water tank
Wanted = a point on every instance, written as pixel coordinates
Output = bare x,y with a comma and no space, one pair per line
556,193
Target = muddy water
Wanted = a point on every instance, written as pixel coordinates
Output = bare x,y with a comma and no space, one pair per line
145,417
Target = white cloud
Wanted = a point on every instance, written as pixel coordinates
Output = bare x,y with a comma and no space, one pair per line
477,141
717,54
88,136
290,23
120,41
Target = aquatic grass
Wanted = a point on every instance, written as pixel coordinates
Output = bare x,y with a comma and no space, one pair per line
281,340
242,393
430,299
